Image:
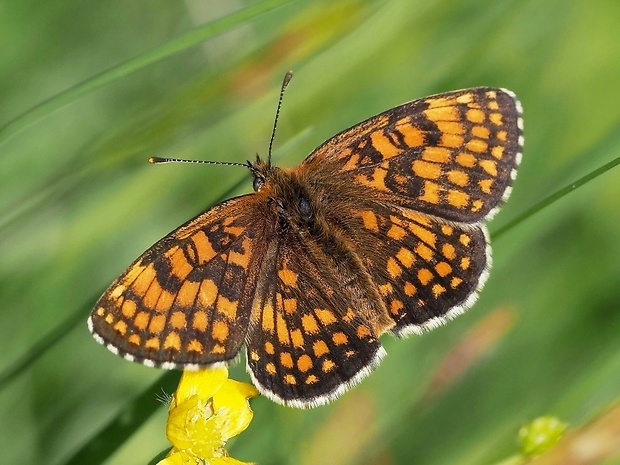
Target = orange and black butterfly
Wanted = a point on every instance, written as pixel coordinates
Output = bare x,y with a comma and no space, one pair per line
380,229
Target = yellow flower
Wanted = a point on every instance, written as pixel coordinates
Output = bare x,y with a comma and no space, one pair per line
206,410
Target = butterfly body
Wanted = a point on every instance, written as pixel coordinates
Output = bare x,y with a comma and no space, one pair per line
381,229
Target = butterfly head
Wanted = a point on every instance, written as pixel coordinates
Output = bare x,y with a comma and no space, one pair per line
285,193
261,171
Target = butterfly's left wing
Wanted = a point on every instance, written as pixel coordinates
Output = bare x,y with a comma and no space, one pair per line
412,187
452,155
426,270
186,301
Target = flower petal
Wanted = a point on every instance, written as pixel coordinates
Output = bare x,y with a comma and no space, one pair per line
228,461
232,407
203,383
177,457
205,412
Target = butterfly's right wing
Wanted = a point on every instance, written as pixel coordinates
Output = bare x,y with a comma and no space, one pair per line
186,301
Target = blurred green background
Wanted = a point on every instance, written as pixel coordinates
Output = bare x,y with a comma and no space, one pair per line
78,203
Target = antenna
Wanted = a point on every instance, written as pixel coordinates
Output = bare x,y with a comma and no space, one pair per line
158,160
285,81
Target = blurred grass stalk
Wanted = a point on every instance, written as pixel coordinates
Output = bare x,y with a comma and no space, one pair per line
556,274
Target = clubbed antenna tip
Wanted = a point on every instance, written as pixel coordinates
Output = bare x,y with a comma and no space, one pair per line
287,78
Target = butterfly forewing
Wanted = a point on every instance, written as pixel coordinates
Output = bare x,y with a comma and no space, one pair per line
452,155
186,300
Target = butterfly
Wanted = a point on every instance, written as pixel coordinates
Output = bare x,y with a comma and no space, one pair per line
381,229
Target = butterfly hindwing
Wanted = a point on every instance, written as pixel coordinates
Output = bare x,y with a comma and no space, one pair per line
452,155
426,269
311,339
186,300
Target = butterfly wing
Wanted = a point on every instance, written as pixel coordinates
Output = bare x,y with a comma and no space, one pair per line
411,188
452,155
427,270
316,320
186,301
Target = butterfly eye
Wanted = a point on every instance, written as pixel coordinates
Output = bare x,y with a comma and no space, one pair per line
258,183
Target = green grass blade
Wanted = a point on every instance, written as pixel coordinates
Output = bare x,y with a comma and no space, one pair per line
128,420
606,144
40,347
189,39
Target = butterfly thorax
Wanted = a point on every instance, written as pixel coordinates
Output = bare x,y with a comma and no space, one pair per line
287,195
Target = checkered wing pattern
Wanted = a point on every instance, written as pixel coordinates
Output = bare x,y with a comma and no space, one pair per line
453,155
185,302
427,270
315,322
